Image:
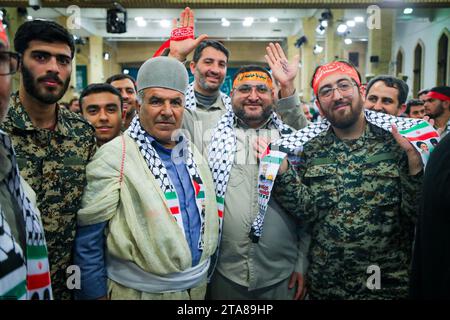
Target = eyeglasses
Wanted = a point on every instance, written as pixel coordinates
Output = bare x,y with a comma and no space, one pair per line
247,88
9,62
344,88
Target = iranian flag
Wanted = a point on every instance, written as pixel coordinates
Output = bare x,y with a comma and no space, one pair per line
38,273
420,132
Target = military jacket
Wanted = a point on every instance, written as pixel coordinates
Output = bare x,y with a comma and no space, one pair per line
53,163
360,203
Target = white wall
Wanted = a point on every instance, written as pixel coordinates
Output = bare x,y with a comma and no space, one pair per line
408,34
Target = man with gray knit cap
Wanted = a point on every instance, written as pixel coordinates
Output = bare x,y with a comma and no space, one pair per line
149,222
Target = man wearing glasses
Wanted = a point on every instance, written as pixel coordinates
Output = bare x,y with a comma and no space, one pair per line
357,185
271,268
21,231
52,144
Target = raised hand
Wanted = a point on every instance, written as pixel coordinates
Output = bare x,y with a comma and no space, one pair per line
283,71
181,49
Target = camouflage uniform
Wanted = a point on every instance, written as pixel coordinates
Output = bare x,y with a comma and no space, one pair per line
360,204
53,163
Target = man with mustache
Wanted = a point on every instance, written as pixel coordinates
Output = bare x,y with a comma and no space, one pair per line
101,105
127,87
53,145
357,186
205,103
21,231
149,222
271,268
386,94
437,107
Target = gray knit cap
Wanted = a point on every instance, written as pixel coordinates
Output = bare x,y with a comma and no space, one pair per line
162,72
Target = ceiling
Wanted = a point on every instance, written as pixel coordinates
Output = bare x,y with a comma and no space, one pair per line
93,21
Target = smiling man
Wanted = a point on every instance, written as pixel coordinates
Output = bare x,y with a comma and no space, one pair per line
357,186
53,145
149,220
386,94
127,87
101,105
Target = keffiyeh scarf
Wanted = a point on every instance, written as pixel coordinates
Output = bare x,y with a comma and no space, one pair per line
191,101
222,151
24,275
159,171
414,130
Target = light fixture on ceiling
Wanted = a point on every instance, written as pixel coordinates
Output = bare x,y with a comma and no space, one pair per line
320,29
273,20
29,18
324,23
116,19
126,71
351,23
317,49
225,22
348,41
359,19
106,55
248,21
408,11
341,28
164,23
300,41
140,21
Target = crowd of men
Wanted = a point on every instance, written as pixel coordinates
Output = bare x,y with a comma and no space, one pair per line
161,189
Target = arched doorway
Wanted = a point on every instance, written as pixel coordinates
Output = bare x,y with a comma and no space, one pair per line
442,61
417,71
399,62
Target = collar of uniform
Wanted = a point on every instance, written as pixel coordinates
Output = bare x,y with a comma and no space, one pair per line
22,121
370,132
5,168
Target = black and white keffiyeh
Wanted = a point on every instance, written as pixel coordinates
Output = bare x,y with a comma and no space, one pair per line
413,129
222,150
159,171
191,101
23,276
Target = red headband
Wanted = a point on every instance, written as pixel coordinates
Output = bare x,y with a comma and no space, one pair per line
437,95
331,68
3,35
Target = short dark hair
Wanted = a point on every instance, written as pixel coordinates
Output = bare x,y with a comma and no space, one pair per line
251,67
72,100
43,30
412,103
209,43
99,88
392,82
342,61
121,76
423,91
419,143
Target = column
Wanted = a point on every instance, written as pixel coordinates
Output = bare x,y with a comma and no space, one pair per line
308,58
334,42
380,43
95,66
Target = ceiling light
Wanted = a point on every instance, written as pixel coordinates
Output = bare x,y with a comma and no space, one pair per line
126,71
273,20
140,22
225,22
408,11
248,22
351,23
29,18
164,23
324,23
342,28
106,56
348,41
359,19
317,49
320,29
